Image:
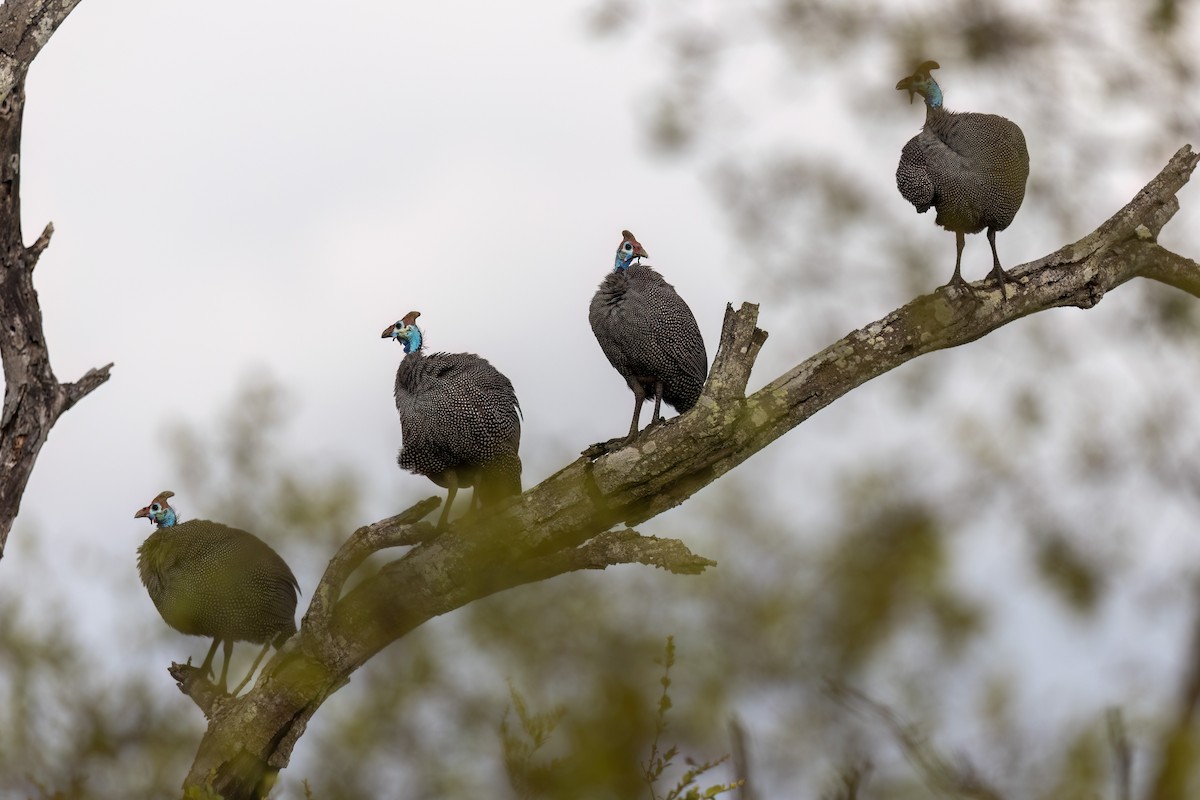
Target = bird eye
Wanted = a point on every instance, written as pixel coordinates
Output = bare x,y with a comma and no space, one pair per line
628,247
398,325
154,507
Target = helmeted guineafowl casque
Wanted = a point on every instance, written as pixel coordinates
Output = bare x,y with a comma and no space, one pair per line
648,334
971,167
208,579
459,420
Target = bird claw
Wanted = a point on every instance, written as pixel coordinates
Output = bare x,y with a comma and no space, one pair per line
1002,278
598,449
188,676
210,674
959,284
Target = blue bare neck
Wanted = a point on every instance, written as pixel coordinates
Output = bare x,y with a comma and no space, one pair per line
413,341
623,261
166,518
933,95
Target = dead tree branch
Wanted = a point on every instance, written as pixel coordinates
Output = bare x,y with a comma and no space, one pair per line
33,397
561,525
25,28
401,530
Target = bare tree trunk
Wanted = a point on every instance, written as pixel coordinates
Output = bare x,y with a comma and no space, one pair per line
563,524
33,397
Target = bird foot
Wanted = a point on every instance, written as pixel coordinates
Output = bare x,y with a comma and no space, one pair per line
1002,278
598,449
192,679
193,682
960,289
957,283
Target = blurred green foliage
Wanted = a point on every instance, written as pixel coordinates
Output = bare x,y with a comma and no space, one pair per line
68,731
593,767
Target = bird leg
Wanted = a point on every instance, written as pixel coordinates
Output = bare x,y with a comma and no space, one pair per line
253,669
223,684
451,490
639,397
206,668
997,270
957,279
658,390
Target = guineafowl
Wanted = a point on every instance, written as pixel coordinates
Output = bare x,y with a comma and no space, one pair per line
970,167
648,334
459,422
207,579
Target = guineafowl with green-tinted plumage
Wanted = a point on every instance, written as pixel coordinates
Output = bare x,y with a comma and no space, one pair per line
971,167
207,579
459,420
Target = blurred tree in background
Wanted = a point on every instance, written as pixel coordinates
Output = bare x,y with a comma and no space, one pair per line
1039,476
1070,442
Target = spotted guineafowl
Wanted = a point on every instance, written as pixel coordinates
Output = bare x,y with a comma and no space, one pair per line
459,422
648,334
970,167
207,579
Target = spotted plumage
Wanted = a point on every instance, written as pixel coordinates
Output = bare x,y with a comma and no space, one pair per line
971,167
207,579
648,334
459,420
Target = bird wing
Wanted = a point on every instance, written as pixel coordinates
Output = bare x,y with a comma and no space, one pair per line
672,330
462,399
912,175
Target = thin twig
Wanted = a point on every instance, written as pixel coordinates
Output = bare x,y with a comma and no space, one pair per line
939,773
35,250
1122,754
657,762
1176,762
741,759
90,381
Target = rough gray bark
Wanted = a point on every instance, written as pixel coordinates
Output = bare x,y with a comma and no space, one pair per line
25,28
564,523
33,397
